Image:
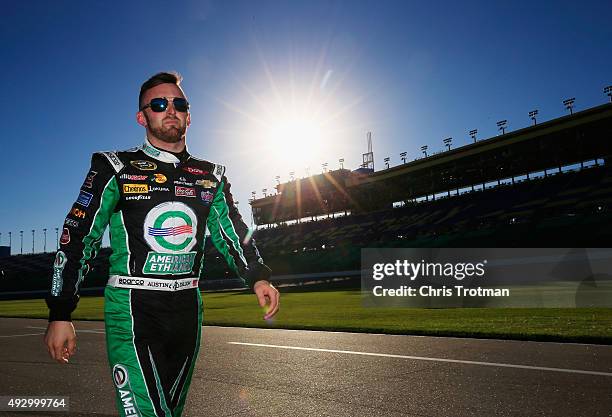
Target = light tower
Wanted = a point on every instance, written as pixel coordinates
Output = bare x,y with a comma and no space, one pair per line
473,133
277,178
21,248
292,175
403,156
10,240
45,240
341,160
448,142
532,115
569,104
608,92
424,150
253,194
501,125
265,192
324,166
32,240
387,159
368,157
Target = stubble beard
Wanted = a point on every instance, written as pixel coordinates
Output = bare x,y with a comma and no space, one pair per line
169,134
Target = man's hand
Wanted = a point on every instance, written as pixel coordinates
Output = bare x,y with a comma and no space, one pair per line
60,339
267,293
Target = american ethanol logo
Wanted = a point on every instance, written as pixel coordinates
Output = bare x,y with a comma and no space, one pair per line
170,228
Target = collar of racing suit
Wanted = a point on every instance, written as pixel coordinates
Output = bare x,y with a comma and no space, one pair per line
164,156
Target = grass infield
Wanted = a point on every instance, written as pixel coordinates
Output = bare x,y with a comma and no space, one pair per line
342,311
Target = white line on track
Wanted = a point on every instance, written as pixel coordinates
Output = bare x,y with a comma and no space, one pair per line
423,358
19,335
97,331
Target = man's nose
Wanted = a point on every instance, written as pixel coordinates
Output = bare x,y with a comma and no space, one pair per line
171,109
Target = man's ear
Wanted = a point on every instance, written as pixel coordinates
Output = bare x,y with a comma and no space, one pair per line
188,119
141,119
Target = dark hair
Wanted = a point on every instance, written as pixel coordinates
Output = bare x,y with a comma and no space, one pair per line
159,78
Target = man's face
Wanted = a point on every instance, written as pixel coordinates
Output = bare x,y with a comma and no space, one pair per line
168,126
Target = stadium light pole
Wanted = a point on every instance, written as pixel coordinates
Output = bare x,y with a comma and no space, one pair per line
253,194
387,159
533,114
292,175
403,156
324,166
424,150
501,125
265,192
569,104
57,238
341,161
473,134
10,240
448,142
608,91
32,240
21,236
277,178
45,240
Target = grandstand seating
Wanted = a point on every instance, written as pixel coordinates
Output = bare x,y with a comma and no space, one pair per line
568,209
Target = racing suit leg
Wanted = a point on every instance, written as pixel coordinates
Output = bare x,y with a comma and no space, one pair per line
153,338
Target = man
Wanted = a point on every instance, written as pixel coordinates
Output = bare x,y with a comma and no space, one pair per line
159,200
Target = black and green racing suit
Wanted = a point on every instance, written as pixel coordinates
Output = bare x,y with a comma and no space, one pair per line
159,206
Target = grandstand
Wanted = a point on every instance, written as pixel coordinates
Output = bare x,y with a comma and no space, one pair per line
548,185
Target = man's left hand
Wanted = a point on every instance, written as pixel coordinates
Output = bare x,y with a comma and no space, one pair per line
266,293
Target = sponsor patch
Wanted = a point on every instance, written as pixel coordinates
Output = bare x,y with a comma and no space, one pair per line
122,382
219,170
170,227
207,197
65,238
135,188
159,178
133,177
169,263
164,189
88,183
207,183
184,191
58,268
84,198
114,160
183,181
77,212
138,197
144,165
195,171
71,222
120,376
151,151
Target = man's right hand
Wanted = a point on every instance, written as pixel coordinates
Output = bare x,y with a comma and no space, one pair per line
60,339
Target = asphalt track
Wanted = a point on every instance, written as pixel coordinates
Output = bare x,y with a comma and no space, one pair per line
265,372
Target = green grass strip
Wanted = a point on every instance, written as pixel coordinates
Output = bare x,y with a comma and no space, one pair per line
342,311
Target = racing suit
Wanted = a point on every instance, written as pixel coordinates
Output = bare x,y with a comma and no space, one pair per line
158,207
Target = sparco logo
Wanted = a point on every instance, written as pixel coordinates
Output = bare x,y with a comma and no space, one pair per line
170,227
120,376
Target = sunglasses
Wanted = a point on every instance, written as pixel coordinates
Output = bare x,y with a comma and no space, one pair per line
160,104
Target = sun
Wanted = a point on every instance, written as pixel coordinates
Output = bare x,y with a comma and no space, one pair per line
295,137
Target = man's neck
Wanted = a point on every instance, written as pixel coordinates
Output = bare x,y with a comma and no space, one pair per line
177,147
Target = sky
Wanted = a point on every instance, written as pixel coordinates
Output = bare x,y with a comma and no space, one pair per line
278,86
